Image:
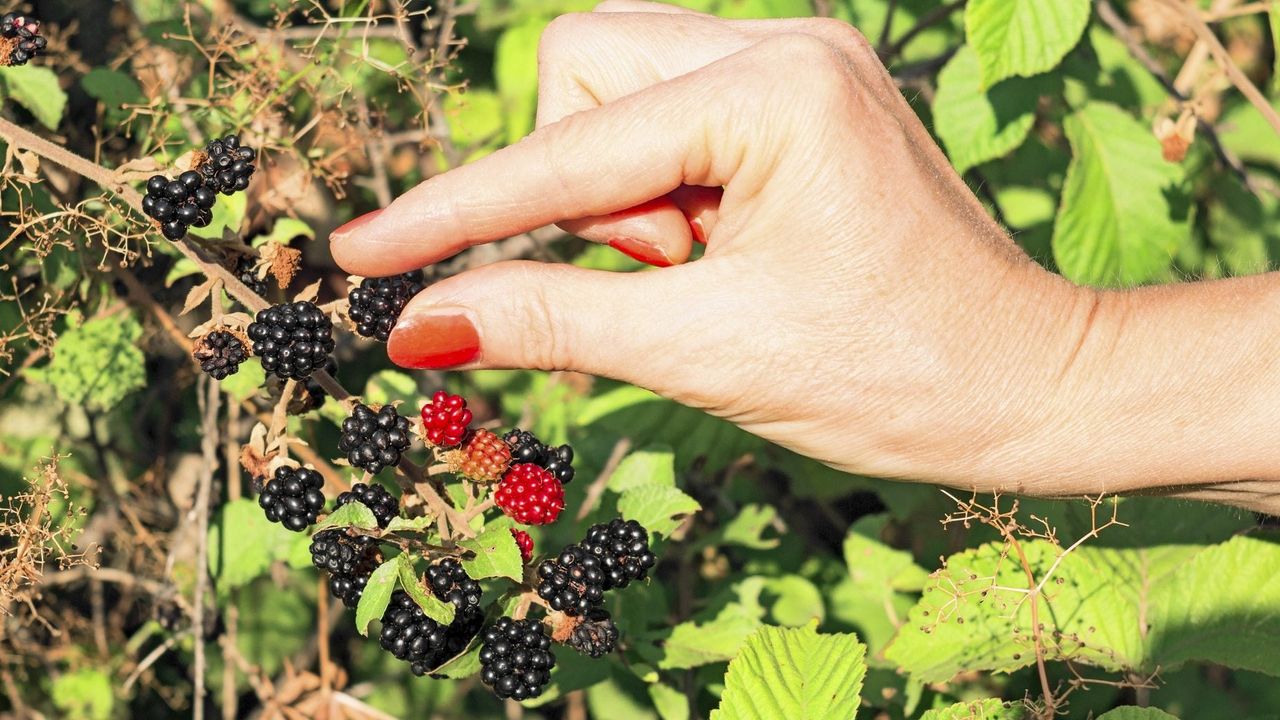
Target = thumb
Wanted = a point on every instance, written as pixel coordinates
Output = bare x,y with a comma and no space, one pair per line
552,317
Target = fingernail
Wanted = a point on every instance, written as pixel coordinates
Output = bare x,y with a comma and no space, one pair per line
640,250
699,232
437,338
352,225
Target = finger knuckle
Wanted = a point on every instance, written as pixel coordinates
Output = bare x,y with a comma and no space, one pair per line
842,36
825,69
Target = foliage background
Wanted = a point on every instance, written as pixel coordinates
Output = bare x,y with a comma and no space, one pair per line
1120,142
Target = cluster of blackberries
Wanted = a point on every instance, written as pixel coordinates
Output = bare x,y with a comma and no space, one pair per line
227,166
292,497
375,497
610,557
293,340
178,204
20,39
376,303
525,448
411,636
219,354
516,659
374,440
349,561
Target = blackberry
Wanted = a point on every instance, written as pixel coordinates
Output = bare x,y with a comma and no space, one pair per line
596,636
178,204
20,39
526,448
375,497
374,440
622,548
530,495
349,561
516,659
293,498
227,166
450,583
409,635
292,339
219,354
573,582
246,271
377,302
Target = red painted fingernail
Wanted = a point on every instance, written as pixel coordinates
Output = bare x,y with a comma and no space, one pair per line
436,339
353,224
699,232
640,250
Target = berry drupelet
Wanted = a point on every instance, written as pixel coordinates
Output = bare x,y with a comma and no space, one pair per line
20,39
409,635
573,582
227,166
292,497
529,495
375,497
374,440
349,561
293,340
178,204
596,636
376,303
526,448
446,419
219,354
622,547
516,659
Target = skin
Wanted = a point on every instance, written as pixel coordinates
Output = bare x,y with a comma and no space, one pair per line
855,303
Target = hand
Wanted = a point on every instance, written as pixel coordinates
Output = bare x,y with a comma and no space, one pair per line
855,303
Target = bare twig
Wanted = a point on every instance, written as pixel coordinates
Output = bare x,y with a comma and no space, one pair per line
209,452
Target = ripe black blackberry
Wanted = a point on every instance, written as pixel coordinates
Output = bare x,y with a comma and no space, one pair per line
293,340
20,39
596,636
450,583
572,582
375,497
227,166
246,271
178,204
292,497
349,561
516,659
622,549
219,354
374,440
527,448
409,635
376,303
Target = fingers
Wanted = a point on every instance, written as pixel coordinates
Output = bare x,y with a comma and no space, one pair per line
547,316
655,232
592,163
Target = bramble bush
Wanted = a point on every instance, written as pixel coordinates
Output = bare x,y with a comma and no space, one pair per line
218,499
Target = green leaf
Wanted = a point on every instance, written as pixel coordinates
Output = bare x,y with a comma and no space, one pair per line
655,465
1136,713
1273,21
794,673
515,70
377,593
876,566
388,386
1023,37
670,703
1124,208
797,601
496,554
246,382
113,87
656,507
284,231
466,664
36,88
96,364
692,644
243,544
434,608
228,215
977,124
1241,227
83,695
988,709
399,524
746,529
353,514
475,117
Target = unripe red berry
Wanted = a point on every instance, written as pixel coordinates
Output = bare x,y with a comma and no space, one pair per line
446,419
530,495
